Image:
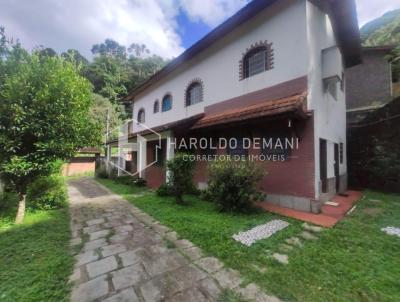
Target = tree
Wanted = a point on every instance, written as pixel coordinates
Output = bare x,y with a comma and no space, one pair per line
109,77
44,105
98,112
181,175
138,49
46,52
113,73
74,56
110,48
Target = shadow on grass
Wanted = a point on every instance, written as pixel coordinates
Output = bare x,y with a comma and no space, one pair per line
34,260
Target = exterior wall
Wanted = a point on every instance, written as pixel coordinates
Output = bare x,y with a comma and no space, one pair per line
222,83
329,113
307,49
79,165
369,84
155,174
288,183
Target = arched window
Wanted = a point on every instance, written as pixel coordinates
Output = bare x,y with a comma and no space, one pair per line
166,103
156,107
255,61
194,93
141,116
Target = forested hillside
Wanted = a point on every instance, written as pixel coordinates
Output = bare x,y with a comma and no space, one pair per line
385,31
382,31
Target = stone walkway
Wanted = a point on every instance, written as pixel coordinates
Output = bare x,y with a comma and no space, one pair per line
122,254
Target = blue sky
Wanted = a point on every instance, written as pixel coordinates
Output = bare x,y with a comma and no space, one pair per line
167,27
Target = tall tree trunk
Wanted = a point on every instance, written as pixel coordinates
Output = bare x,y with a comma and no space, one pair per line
21,209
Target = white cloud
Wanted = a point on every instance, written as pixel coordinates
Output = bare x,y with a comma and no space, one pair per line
211,12
370,9
81,23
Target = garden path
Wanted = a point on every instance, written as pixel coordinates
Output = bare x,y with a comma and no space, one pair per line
123,254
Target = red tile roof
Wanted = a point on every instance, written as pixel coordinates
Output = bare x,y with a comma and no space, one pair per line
293,104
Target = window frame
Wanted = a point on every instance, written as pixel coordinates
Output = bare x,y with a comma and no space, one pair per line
163,100
156,106
341,153
239,150
188,95
263,45
141,110
251,54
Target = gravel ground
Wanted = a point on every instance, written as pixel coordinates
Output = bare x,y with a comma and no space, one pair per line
260,232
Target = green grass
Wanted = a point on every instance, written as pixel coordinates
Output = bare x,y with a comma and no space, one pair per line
34,260
354,261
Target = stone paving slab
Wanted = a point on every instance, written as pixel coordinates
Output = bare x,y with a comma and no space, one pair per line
126,255
101,267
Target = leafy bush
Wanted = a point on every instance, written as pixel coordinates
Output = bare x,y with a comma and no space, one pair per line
233,185
8,200
101,172
193,190
181,175
140,182
164,190
125,180
46,193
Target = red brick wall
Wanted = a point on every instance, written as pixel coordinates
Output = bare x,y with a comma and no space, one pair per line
294,177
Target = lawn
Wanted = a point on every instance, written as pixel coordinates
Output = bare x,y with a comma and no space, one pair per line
34,260
355,261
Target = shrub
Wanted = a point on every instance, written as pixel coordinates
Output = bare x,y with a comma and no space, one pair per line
140,182
233,185
46,193
181,175
164,190
101,172
125,180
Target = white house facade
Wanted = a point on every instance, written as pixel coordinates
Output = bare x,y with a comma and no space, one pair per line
274,69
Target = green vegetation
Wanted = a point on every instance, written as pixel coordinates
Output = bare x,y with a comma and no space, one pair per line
385,31
230,296
34,259
181,175
382,31
355,261
47,193
233,185
43,115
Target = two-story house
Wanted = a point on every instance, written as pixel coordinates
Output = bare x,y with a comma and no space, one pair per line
274,69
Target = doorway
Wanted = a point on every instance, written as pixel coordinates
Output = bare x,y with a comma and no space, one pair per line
323,165
336,167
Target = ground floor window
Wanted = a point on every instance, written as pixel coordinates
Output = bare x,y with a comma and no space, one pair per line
236,148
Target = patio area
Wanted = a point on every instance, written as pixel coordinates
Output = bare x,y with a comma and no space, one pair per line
330,214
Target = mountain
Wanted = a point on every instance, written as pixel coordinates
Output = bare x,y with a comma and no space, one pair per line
382,31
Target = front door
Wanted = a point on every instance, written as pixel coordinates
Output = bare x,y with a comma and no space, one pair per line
336,167
323,165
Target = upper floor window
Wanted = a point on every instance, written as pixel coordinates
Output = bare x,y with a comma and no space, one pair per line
156,107
141,116
166,103
257,59
194,93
